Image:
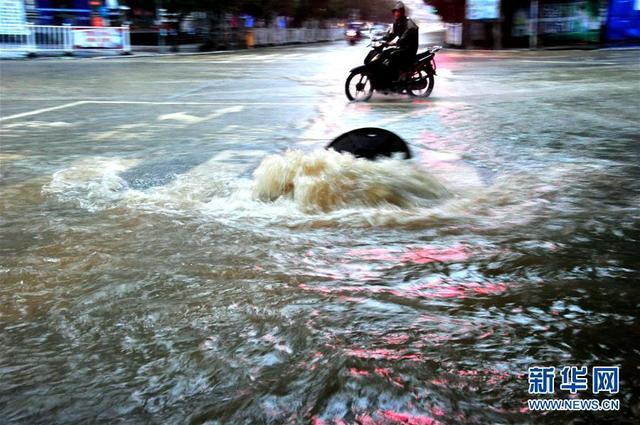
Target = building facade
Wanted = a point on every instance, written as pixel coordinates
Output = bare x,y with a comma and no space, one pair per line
544,23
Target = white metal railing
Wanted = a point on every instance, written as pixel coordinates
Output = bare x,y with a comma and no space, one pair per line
275,36
453,34
32,39
68,39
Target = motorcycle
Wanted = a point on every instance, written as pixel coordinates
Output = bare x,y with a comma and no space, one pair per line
376,74
353,35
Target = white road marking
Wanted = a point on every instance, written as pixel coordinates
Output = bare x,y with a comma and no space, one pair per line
41,111
192,90
174,81
227,59
38,124
192,119
584,63
122,132
143,102
169,103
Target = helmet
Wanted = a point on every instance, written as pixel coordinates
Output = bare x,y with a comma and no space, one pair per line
399,6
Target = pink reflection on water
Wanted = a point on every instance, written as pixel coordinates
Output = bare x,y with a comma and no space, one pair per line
379,254
409,419
353,269
450,292
382,354
436,338
354,300
446,289
339,289
388,417
343,270
428,318
497,378
358,372
396,339
434,289
317,421
436,411
366,420
486,334
432,140
430,254
492,377
464,372
321,271
442,162
370,264
383,372
486,288
416,255
320,289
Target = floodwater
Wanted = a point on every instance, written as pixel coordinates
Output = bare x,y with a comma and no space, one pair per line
164,264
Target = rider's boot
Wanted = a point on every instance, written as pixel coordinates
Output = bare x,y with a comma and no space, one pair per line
397,79
403,77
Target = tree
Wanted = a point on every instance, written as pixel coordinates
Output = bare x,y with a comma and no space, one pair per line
300,10
449,10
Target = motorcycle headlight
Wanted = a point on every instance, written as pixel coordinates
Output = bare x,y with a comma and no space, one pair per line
351,33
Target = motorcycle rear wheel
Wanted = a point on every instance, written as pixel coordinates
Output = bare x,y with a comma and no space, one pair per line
421,84
358,89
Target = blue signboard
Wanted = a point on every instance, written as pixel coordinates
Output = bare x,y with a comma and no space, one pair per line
483,9
12,17
50,12
624,20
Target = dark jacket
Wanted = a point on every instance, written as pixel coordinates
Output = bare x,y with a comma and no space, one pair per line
407,31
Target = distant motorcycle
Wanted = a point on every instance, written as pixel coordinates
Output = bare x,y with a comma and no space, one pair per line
376,74
353,35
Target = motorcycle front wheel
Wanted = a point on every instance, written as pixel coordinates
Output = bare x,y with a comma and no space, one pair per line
421,84
358,87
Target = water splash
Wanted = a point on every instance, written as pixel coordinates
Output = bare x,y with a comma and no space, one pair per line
98,184
324,181
310,190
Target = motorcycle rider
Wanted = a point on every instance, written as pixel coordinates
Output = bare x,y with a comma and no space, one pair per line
406,30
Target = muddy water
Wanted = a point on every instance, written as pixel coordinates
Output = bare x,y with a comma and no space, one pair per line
156,278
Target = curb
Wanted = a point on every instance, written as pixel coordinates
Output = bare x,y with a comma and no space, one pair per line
148,54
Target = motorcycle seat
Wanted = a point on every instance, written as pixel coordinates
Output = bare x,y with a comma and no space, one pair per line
423,55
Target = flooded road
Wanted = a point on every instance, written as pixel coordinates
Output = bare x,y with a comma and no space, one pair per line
176,247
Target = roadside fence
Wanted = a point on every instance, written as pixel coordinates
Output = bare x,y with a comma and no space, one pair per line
277,36
34,39
453,34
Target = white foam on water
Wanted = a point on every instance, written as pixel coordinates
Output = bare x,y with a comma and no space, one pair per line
93,183
322,188
39,124
319,189
8,157
97,184
325,180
